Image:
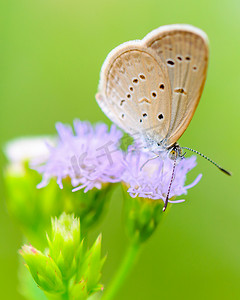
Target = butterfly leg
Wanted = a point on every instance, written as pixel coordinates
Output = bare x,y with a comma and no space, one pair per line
183,155
154,157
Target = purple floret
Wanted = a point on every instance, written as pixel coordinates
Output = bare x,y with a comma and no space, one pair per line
89,157
152,181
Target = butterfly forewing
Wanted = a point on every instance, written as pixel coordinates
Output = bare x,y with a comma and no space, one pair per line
184,50
134,92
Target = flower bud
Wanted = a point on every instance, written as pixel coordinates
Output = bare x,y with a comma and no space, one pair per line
70,268
43,269
65,245
89,269
79,290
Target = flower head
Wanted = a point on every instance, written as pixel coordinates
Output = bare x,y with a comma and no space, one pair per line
152,180
23,149
89,157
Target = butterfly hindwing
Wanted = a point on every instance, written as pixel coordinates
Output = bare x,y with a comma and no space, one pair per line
134,92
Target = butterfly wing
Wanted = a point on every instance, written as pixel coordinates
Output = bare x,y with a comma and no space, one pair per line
134,92
183,49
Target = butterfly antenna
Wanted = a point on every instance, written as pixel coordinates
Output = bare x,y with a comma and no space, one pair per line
210,160
170,184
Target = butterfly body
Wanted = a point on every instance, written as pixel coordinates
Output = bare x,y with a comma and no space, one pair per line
151,87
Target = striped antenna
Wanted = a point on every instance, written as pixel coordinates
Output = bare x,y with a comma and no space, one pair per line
210,160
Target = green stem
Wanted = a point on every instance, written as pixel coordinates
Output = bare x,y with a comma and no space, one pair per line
124,269
65,296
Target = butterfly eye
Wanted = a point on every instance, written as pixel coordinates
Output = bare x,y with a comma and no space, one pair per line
160,116
161,86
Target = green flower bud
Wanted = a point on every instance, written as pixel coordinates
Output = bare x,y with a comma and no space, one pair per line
79,291
27,286
89,269
43,269
65,245
69,269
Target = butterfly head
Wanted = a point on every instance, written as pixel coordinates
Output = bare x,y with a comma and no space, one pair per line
175,152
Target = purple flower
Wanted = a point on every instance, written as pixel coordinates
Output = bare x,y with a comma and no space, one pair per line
152,181
89,157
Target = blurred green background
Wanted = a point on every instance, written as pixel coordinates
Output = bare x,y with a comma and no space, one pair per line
51,53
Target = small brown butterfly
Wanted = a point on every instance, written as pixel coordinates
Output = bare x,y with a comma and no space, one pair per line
151,87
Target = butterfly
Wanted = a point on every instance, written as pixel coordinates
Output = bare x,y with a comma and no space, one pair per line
151,87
